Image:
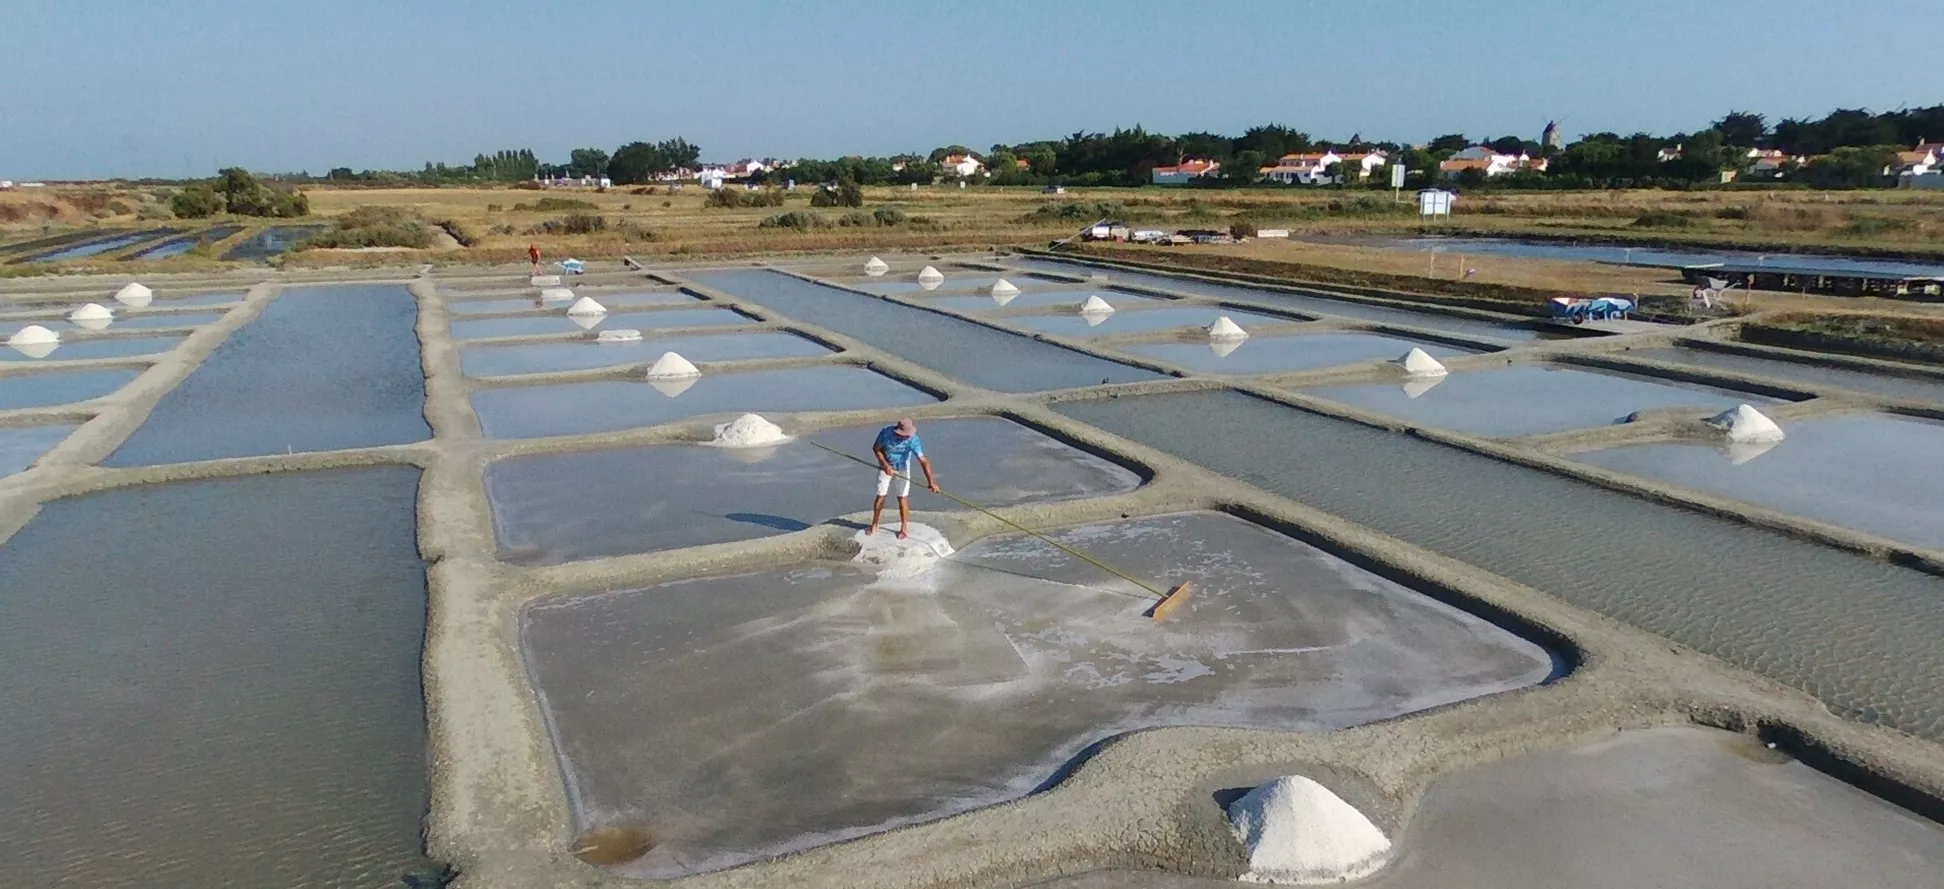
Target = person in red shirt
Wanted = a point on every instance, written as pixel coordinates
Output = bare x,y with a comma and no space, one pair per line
533,253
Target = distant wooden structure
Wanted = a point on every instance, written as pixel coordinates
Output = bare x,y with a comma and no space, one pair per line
1811,279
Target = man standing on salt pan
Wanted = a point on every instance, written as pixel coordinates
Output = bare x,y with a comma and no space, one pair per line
895,448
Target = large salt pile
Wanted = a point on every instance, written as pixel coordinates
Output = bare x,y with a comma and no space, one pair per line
919,552
33,335
1417,363
133,294
930,274
586,306
1299,833
749,431
672,366
1746,424
876,267
624,335
1005,288
93,316
556,294
1096,306
1226,329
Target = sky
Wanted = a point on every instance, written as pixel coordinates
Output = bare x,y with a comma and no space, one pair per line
122,88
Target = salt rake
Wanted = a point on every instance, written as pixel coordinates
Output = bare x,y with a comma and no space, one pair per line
1166,603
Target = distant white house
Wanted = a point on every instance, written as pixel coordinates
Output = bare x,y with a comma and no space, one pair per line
1489,161
6,185
744,168
1314,168
964,166
1184,172
1923,161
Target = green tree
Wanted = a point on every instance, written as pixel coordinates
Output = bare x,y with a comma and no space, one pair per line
1850,167
1449,142
637,162
587,162
1742,129
196,202
1245,169
678,152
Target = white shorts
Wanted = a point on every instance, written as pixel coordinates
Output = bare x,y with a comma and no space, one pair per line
884,483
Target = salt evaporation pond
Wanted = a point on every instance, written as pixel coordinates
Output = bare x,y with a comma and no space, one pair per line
559,322
270,242
216,683
862,703
608,405
1184,319
62,387
74,348
95,248
1653,256
1046,299
481,361
20,446
136,321
197,299
615,300
1715,809
321,369
555,508
1524,399
1871,472
1295,302
971,352
1293,352
1912,386
954,280
1859,633
181,246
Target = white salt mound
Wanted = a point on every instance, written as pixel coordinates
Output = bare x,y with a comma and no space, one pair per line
673,387
876,267
1223,348
624,335
586,306
1226,329
749,431
33,335
930,274
91,312
1417,386
1096,306
544,280
1299,833
1003,287
1417,363
35,350
133,294
555,294
891,557
1095,319
672,366
1746,424
1003,298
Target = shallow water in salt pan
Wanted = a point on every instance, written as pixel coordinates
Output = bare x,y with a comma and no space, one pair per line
608,405
73,347
559,322
1871,472
62,387
20,446
1041,299
860,705
1524,399
1273,354
563,507
480,361
1186,319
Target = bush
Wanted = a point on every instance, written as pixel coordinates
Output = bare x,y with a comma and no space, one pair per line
494,208
571,224
1663,219
1240,230
553,205
889,216
856,219
845,194
731,198
196,202
634,231
373,227
1083,211
1875,225
796,219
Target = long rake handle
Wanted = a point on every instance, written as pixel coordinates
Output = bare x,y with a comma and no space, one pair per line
1011,524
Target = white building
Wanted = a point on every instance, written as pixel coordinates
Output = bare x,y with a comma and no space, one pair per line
1490,162
1315,169
963,166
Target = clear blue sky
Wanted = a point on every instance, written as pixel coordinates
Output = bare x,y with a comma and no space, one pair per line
97,88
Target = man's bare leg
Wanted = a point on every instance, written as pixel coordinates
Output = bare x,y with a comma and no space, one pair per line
904,517
877,512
